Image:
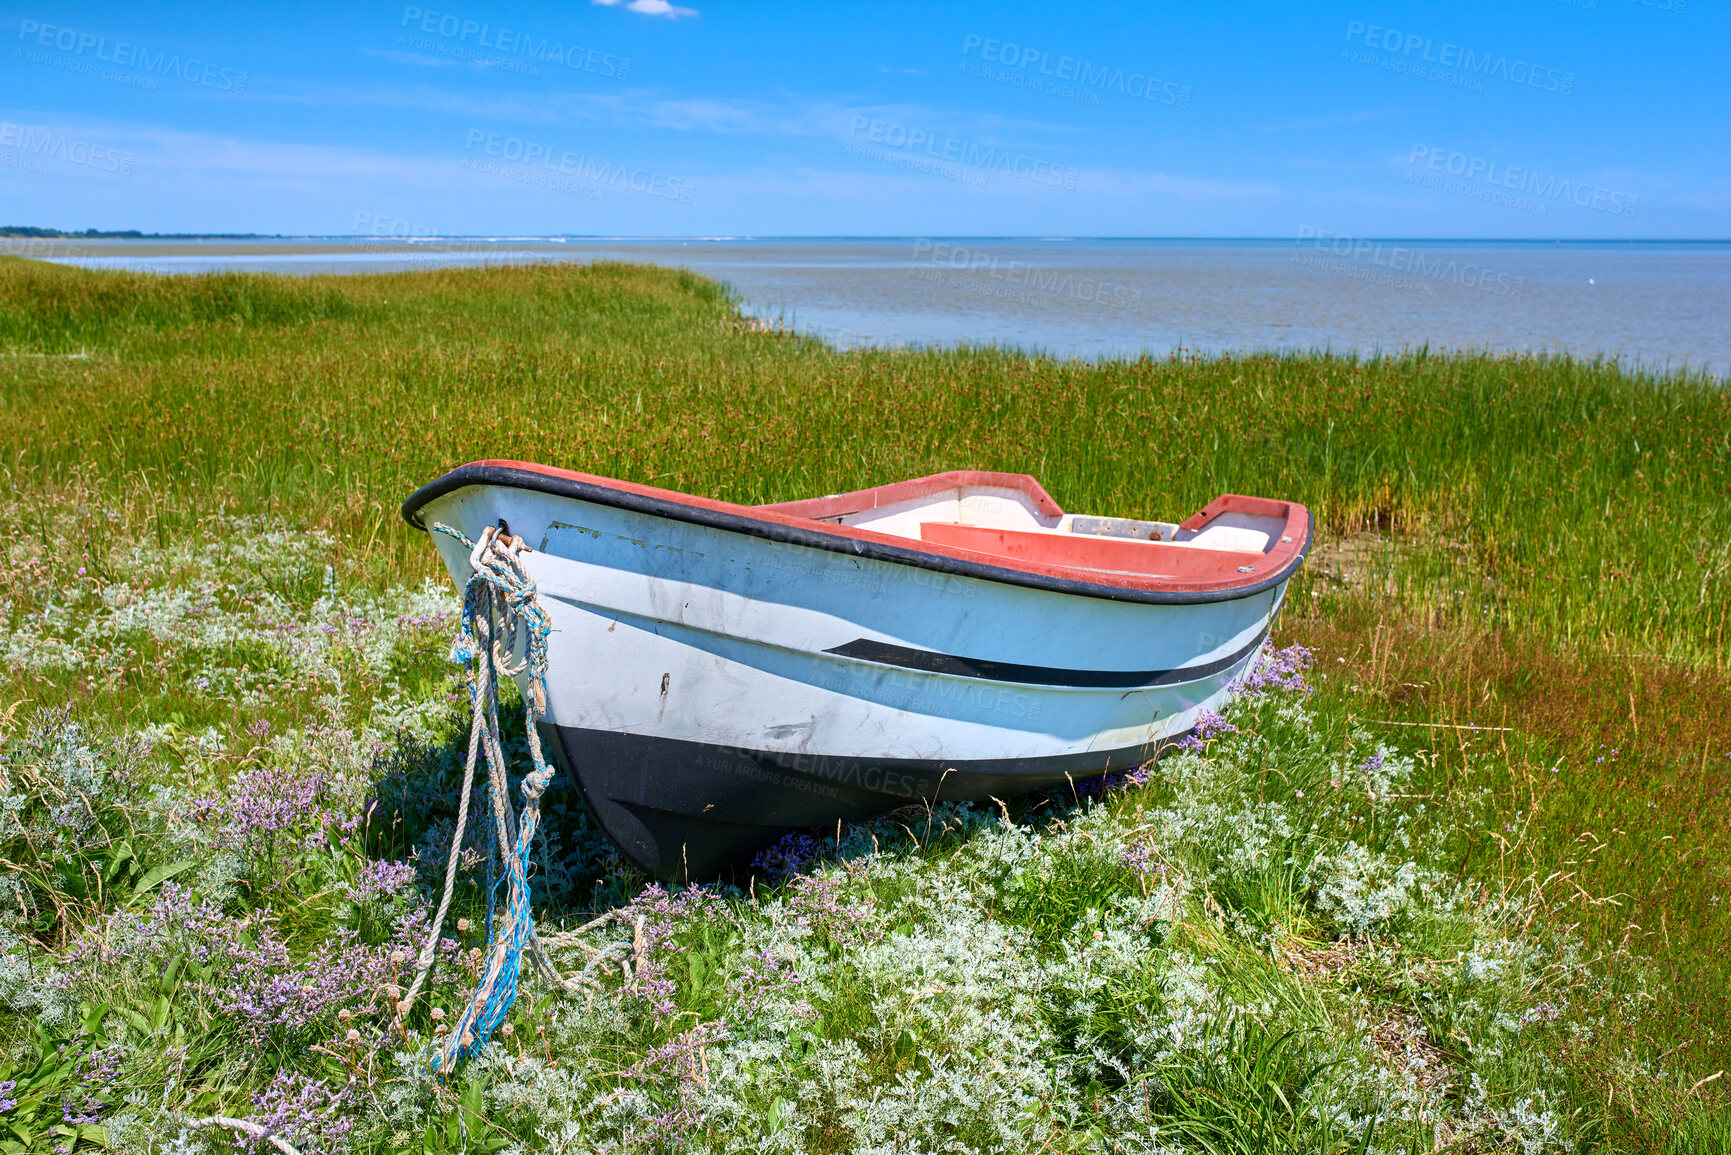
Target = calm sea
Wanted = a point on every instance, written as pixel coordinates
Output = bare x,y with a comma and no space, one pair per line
1655,304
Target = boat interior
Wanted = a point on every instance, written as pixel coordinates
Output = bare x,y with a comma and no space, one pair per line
1011,517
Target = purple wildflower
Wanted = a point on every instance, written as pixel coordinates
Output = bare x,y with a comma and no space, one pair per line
1139,858
789,855
1134,776
440,620
662,915
381,879
264,801
816,901
1277,670
1114,780
174,922
254,976
1209,726
1542,1013
1372,764
678,1067
268,992
764,975
304,1112
93,1069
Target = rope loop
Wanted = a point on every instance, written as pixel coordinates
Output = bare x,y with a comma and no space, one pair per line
503,633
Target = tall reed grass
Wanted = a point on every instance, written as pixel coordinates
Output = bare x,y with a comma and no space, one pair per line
1573,501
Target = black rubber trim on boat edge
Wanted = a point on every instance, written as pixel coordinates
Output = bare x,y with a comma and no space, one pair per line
933,662
506,477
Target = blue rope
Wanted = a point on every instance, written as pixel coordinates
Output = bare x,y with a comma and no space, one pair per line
500,586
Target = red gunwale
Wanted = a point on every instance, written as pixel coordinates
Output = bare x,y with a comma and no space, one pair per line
1292,540
878,496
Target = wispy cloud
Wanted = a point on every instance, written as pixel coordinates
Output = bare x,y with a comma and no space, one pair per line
1334,120
397,56
789,116
650,8
1168,187
1325,165
195,181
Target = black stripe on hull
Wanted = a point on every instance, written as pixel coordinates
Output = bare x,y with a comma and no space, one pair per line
685,811
933,662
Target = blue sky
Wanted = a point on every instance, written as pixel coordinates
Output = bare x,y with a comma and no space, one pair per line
1524,118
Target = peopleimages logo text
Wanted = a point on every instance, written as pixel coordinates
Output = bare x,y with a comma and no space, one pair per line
1411,263
47,145
1083,73
125,54
988,158
531,154
1523,180
1491,65
515,42
1028,283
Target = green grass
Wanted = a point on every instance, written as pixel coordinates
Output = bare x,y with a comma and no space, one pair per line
1581,505
1539,544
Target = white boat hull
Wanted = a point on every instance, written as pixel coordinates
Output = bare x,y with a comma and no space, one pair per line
712,689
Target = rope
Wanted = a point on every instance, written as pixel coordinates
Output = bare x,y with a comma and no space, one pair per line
246,1127
501,617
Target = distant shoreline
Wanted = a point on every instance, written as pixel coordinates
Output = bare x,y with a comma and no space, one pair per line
30,232
1643,302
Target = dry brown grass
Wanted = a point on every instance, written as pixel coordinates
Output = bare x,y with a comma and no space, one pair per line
1630,847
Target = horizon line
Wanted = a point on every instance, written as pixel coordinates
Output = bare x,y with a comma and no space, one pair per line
138,235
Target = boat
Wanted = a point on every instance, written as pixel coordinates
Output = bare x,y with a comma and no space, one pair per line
719,675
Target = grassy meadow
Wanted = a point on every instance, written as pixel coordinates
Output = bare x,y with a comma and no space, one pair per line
1460,885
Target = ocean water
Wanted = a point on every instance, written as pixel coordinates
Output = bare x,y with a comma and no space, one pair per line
1660,305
